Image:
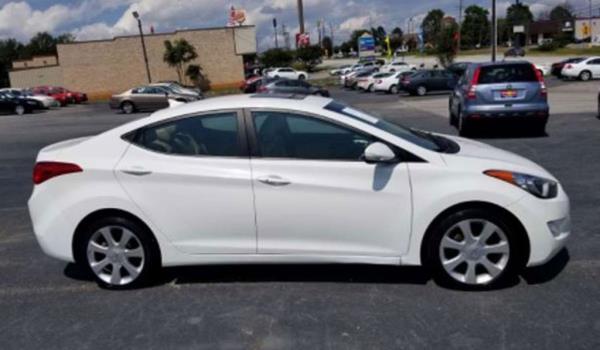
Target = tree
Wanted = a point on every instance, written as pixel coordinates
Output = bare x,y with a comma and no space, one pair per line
446,42
475,30
196,75
432,25
379,35
518,14
276,58
328,46
396,39
41,44
561,13
10,50
309,56
178,54
65,38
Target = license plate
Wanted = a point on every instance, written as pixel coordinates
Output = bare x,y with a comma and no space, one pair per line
508,93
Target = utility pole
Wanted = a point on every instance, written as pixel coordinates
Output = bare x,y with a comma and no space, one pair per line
301,16
591,31
494,31
460,14
275,30
136,15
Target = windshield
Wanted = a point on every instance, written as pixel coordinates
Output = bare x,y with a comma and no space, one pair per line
418,138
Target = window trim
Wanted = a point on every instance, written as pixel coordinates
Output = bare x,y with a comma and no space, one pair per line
401,154
243,145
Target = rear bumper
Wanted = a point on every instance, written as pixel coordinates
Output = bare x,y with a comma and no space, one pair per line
519,111
570,73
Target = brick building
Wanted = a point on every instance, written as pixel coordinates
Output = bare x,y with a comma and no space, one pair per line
103,67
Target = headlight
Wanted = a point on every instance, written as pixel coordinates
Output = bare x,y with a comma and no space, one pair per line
537,186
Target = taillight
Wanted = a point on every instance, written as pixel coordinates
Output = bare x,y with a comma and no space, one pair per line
569,66
379,81
540,79
46,170
471,93
261,88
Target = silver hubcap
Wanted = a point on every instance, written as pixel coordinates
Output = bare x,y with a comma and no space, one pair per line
128,108
421,90
20,110
394,90
585,76
474,251
115,255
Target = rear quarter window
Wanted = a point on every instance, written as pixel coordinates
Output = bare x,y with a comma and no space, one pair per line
509,73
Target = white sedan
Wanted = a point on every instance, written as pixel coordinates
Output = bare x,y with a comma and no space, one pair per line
389,82
584,69
270,179
287,73
398,66
368,83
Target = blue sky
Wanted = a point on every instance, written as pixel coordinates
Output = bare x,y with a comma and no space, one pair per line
97,19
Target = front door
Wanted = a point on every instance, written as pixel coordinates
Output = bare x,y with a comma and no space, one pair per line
314,194
191,177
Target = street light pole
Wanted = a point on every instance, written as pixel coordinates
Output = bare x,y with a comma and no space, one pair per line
494,31
136,15
301,16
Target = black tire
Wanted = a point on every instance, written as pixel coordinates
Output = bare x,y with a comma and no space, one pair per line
20,110
394,89
585,75
453,117
421,90
151,260
301,77
128,107
517,254
464,126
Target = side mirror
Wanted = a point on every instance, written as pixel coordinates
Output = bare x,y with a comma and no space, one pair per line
378,152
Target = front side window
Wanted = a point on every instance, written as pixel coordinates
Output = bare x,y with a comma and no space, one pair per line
209,135
287,135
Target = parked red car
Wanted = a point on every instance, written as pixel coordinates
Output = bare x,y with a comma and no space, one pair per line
62,95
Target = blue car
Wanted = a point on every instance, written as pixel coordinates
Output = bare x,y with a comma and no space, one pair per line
500,92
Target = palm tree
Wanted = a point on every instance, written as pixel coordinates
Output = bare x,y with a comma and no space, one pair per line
178,54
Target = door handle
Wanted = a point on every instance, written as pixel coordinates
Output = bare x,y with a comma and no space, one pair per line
274,181
136,171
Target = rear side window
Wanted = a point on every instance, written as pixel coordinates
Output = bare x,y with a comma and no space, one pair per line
210,135
508,73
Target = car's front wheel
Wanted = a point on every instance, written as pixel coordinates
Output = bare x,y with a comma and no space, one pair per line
474,248
585,75
127,107
20,110
118,252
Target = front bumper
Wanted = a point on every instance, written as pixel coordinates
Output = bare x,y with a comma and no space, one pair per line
547,222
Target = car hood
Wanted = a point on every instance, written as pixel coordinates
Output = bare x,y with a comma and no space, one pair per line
474,154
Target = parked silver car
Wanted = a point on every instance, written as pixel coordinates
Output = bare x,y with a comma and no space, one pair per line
500,91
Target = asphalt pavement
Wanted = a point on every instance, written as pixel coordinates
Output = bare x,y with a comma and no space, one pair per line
48,304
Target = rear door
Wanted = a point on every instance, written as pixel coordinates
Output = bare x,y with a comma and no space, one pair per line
192,176
506,84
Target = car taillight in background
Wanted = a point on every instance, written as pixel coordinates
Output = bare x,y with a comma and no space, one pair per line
540,78
379,81
569,66
44,171
261,88
471,93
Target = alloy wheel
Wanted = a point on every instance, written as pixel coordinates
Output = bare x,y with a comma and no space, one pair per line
394,89
20,110
474,251
585,76
115,255
128,108
421,91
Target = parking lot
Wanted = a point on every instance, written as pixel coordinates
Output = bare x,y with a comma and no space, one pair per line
45,303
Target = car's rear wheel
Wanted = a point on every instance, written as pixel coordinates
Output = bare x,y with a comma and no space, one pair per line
585,75
20,110
394,89
421,90
464,126
371,88
474,249
119,253
127,107
301,77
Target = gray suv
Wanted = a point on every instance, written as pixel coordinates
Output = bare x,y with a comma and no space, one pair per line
501,91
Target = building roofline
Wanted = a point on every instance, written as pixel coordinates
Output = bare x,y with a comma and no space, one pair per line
32,68
152,35
34,57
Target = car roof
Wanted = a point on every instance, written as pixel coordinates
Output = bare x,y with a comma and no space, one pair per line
312,104
501,63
